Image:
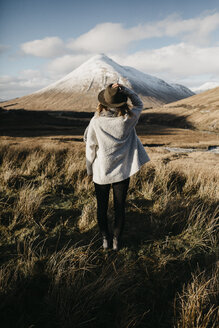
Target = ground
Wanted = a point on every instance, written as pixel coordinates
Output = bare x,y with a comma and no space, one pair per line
54,272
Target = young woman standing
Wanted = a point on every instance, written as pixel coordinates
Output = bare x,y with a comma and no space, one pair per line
113,154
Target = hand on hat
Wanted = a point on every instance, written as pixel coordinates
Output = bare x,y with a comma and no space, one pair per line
117,85
113,98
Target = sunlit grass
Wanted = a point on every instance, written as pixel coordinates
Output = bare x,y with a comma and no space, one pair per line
53,270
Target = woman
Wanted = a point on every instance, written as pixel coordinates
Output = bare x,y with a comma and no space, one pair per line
113,154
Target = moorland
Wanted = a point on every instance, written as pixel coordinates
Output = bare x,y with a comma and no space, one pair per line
54,272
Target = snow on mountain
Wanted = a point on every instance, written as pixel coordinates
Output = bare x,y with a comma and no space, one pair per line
78,90
100,70
184,91
2,100
205,87
97,72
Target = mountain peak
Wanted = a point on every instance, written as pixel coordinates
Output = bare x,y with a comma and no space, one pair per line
78,90
98,58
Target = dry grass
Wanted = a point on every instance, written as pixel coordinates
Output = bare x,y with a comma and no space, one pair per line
198,302
201,110
209,99
72,100
53,271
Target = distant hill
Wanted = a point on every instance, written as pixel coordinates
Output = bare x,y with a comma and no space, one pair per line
200,111
205,87
78,90
205,100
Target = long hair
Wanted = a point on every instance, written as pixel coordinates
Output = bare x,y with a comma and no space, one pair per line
121,111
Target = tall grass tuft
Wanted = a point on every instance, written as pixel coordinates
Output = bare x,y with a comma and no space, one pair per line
198,303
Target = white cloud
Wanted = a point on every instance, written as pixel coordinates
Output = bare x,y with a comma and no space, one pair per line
202,28
27,82
33,79
113,37
65,64
102,38
47,47
174,25
178,60
30,74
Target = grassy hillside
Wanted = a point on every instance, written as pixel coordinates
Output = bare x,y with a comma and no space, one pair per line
53,270
209,98
200,112
66,101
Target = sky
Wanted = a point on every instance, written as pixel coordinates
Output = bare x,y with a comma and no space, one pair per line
42,41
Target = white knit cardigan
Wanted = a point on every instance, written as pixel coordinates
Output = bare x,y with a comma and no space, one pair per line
113,150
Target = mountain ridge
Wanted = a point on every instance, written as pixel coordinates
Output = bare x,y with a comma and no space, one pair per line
78,90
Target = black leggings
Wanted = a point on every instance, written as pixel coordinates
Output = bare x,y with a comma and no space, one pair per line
119,196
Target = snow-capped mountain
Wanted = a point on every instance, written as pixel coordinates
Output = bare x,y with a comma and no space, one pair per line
78,90
205,87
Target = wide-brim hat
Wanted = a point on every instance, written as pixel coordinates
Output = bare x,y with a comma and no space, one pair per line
112,97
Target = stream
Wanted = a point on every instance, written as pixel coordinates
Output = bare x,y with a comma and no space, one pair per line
211,149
